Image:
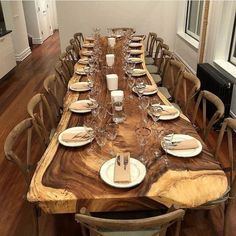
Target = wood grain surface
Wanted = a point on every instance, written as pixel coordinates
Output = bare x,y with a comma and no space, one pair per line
67,179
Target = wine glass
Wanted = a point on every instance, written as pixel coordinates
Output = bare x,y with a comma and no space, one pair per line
142,135
144,104
140,87
131,82
111,129
100,138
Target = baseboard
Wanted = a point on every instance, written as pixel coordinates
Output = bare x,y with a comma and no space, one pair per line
21,56
184,62
37,40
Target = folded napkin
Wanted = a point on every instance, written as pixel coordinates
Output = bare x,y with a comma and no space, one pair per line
88,45
89,38
122,168
166,112
138,72
150,88
83,61
79,86
185,144
76,137
82,106
86,53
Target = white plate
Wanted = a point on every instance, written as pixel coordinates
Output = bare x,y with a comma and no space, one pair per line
136,39
136,52
138,72
89,38
135,45
150,93
137,171
80,90
135,60
168,117
88,45
80,71
184,153
81,111
83,61
74,130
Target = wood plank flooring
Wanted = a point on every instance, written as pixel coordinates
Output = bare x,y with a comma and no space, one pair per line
16,214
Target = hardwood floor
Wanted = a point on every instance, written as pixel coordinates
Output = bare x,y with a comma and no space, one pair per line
16,214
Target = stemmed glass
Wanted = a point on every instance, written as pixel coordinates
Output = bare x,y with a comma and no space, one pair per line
131,82
100,135
144,104
111,130
90,125
142,135
140,87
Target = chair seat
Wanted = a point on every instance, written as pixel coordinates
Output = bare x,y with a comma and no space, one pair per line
132,233
152,69
149,60
157,78
165,92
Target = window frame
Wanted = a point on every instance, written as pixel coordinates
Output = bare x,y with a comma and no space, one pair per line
187,21
231,58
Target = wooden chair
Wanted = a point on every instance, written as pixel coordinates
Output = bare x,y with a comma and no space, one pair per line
155,66
187,87
150,44
79,39
123,29
21,138
67,63
76,48
56,91
158,44
71,54
165,57
62,72
170,78
45,122
204,97
116,227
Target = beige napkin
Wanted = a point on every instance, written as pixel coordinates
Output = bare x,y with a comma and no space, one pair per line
122,172
79,86
75,137
186,144
166,112
81,106
150,88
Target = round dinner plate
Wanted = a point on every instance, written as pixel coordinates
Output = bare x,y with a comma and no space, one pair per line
168,117
87,53
82,89
187,152
136,39
88,45
81,111
74,130
136,52
83,61
135,45
137,171
151,92
138,72
135,60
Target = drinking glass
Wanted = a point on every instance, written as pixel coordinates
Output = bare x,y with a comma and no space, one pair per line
139,87
144,104
111,130
100,138
131,82
142,135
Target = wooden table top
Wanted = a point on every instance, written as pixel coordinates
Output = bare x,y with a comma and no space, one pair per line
67,179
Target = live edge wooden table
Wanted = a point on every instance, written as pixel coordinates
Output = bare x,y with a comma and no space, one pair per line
67,179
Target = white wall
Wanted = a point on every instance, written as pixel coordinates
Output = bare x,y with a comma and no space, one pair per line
144,16
32,23
15,21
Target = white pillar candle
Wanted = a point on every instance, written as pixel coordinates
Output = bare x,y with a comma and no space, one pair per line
112,81
112,42
110,58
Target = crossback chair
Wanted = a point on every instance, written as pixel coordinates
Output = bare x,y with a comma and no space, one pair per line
71,54
173,70
150,44
187,87
45,122
116,227
76,48
79,39
21,138
67,64
56,91
123,29
62,73
203,97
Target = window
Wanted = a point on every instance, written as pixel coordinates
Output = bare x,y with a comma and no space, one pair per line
232,52
194,18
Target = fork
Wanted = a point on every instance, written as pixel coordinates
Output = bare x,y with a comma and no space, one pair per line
126,161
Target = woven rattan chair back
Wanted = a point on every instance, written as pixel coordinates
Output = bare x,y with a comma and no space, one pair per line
79,39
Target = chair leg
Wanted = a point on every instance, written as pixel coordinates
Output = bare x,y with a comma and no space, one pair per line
36,213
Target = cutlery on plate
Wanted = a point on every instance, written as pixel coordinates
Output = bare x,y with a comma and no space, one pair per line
126,161
118,160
